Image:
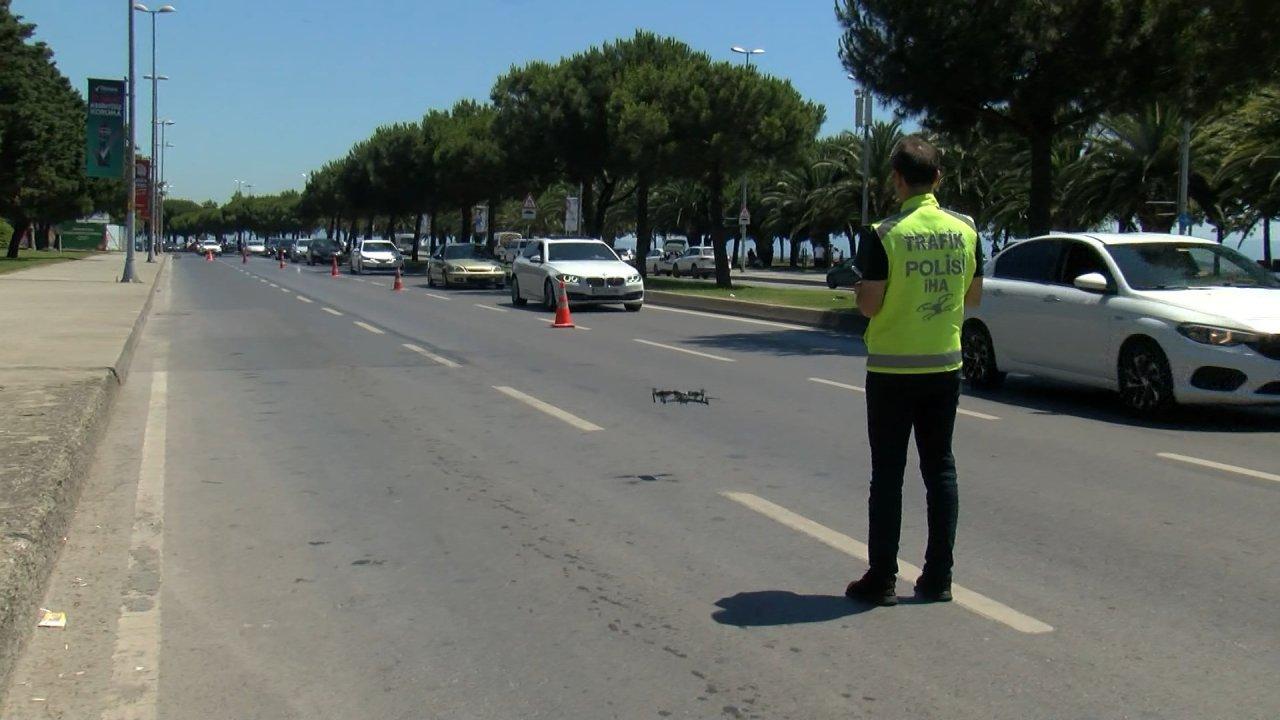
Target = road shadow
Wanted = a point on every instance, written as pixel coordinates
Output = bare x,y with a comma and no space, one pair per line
769,608
785,343
1049,397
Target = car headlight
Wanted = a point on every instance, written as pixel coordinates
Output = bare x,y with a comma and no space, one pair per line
570,279
1220,336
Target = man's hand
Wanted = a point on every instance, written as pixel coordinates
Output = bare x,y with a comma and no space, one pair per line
973,296
870,296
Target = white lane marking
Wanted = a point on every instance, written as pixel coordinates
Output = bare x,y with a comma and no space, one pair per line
283,289
273,285
709,356
962,596
549,323
749,321
855,388
331,311
135,662
438,296
370,328
1220,466
305,299
833,383
431,356
491,307
551,410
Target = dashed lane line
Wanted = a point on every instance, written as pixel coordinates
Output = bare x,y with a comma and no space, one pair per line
962,596
1220,466
305,299
331,311
553,411
549,323
708,356
855,388
491,307
438,296
370,328
431,356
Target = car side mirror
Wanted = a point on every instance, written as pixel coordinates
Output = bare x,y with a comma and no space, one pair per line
1092,282
536,259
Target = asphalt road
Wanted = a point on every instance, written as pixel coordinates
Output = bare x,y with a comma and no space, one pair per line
322,499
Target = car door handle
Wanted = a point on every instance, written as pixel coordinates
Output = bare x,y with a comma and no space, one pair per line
1051,299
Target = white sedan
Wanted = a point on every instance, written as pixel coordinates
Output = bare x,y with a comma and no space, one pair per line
1159,318
696,261
591,272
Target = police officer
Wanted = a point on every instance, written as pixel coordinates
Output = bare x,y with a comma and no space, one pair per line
920,269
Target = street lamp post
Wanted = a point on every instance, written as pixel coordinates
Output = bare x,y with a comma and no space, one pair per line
862,121
743,218
164,188
151,236
130,274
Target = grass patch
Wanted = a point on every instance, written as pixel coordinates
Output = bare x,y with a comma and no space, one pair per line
33,258
816,299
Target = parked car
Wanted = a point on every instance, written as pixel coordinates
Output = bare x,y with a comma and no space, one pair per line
374,255
696,261
464,264
324,250
1159,318
651,261
297,249
209,245
844,274
626,255
508,252
255,247
590,270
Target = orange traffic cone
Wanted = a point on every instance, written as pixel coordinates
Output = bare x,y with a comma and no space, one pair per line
208,256
281,256
334,271
398,284
563,319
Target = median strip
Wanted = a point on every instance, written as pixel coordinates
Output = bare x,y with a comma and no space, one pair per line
964,597
431,356
708,356
1220,466
551,410
370,328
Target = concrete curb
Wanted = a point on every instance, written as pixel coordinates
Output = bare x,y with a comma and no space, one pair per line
825,319
52,475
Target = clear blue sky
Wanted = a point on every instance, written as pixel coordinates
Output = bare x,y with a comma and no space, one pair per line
264,90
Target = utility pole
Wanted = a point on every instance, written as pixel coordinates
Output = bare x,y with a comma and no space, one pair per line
862,121
1184,176
744,217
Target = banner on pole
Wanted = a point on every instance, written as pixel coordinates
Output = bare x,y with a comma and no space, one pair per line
481,213
572,215
141,185
104,129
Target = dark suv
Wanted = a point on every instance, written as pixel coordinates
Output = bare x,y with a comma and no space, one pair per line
324,250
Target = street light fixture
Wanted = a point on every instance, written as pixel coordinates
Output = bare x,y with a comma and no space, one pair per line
164,124
742,212
154,78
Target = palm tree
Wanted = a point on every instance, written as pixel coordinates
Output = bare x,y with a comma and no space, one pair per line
1250,169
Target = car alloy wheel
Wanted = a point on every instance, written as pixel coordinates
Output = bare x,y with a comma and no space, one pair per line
675,271
979,354
1146,383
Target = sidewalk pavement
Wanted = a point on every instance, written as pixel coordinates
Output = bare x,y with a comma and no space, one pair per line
68,335
787,277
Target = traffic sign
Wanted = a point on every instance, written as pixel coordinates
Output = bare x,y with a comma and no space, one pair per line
744,217
530,209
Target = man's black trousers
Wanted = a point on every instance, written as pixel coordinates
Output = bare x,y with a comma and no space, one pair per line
897,405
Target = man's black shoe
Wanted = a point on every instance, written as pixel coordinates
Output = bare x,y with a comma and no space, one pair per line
932,590
873,590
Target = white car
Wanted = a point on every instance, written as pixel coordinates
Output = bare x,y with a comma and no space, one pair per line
255,247
696,261
591,271
209,246
1159,318
374,255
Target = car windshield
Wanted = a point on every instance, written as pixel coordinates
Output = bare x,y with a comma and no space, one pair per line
461,252
579,251
1180,265
377,246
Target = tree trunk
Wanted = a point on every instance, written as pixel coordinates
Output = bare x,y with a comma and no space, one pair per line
368,229
332,227
601,210
719,237
586,207
644,230
491,240
417,235
464,232
392,224
40,240
795,252
19,226
352,232
1040,207
1266,242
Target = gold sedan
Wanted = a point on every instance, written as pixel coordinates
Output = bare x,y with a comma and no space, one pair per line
464,264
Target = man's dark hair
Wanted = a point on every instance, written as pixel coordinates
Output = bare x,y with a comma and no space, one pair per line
916,160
